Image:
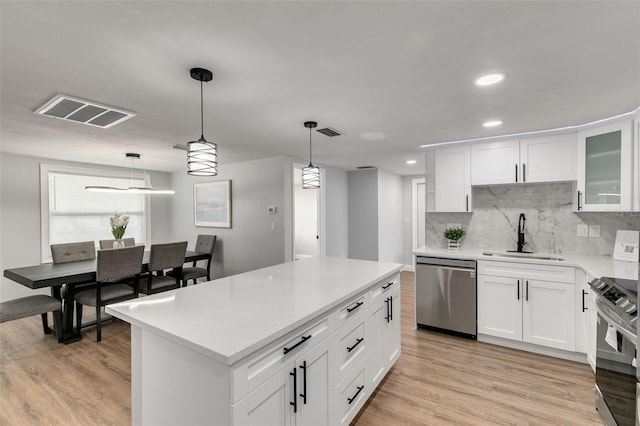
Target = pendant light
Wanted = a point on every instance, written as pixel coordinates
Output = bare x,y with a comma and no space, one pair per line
310,174
202,156
131,189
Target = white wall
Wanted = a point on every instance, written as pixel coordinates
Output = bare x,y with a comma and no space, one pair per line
336,211
389,217
363,214
407,226
20,215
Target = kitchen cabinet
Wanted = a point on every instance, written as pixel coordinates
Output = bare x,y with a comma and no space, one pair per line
544,159
605,162
448,174
586,317
526,302
383,330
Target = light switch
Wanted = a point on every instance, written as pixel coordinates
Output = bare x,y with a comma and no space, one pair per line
273,226
594,231
583,231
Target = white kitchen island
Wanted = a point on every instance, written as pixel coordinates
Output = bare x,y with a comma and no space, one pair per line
303,342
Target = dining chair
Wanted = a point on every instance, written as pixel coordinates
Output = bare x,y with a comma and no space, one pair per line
33,305
204,244
113,265
107,244
163,257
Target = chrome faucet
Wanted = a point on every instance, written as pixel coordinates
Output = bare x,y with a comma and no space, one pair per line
521,242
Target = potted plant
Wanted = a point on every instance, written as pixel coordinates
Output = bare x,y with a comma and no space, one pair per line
454,235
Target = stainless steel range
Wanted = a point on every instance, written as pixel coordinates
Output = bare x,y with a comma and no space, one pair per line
616,373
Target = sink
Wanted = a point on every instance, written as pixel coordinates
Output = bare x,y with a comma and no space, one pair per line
522,255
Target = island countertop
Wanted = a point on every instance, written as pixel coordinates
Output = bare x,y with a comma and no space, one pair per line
230,318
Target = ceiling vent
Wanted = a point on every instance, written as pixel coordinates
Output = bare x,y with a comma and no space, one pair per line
365,167
80,111
328,131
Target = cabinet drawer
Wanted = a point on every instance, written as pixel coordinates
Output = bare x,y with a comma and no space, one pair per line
348,347
351,310
256,369
350,396
561,274
379,292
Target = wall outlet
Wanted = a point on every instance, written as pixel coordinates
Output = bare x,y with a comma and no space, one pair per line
453,225
583,231
594,231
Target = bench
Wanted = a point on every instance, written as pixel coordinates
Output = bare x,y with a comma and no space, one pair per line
34,305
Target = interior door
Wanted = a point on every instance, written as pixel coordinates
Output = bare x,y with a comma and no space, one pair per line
307,218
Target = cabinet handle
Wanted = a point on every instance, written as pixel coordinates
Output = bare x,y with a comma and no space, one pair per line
295,390
303,367
579,200
467,201
358,341
527,291
388,317
516,173
384,287
355,307
518,289
584,307
391,308
302,340
353,398
524,172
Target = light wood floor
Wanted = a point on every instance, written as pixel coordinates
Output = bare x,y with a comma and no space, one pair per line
439,380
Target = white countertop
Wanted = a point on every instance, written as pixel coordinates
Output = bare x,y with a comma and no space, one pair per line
229,318
596,266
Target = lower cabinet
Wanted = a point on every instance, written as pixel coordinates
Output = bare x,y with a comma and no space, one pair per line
327,383
515,303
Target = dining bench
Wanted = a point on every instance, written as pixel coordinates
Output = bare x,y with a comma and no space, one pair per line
33,305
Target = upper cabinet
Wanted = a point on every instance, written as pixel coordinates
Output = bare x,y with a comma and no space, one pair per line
447,173
605,165
546,159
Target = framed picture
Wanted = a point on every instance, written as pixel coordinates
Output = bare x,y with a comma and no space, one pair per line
212,204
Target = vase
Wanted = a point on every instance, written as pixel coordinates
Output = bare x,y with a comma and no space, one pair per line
454,244
118,243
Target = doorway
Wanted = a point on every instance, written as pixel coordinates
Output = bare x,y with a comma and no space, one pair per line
307,217
418,210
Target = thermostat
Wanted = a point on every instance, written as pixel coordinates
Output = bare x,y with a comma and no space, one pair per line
272,210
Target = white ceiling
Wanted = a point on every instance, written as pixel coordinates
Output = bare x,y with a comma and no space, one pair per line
404,70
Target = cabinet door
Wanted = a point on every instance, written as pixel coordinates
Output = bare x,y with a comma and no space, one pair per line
549,314
604,168
496,162
452,179
373,334
592,345
582,311
548,159
500,307
313,387
269,403
391,328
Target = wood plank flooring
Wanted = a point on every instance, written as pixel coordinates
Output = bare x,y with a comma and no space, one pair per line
439,380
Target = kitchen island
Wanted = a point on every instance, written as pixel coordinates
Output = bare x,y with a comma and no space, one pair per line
304,342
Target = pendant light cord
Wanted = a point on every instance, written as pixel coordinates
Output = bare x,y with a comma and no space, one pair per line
201,113
310,162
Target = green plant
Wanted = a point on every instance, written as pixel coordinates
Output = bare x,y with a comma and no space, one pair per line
453,233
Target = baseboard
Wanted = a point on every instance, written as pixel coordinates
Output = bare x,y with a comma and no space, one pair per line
408,268
528,347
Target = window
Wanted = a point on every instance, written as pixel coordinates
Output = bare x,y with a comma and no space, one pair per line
70,213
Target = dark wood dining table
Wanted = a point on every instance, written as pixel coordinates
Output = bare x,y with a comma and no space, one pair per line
70,274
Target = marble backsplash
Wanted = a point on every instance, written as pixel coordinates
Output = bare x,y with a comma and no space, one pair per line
551,224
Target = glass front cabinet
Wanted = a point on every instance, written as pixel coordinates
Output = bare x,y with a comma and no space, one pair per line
604,169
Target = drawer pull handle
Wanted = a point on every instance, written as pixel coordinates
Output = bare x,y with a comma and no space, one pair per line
384,287
304,382
302,340
388,317
295,390
353,398
584,307
353,308
358,341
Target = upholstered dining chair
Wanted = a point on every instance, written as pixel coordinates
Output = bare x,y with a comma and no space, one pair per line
107,244
113,265
204,244
33,305
161,258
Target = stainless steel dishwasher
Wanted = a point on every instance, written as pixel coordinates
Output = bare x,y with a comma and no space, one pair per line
446,295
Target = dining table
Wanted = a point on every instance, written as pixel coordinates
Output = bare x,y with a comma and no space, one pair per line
72,275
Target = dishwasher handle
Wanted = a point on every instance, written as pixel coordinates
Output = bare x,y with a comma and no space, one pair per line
446,263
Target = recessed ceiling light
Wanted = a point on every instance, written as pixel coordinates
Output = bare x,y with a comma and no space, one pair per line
489,79
492,123
411,161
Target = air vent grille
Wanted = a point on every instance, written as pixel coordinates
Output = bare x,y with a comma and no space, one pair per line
365,167
80,111
328,131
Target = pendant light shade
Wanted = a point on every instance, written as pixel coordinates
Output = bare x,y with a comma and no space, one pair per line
311,173
202,155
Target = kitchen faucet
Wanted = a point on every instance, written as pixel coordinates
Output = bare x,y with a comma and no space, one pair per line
521,242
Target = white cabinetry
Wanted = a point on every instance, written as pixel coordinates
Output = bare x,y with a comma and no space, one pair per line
586,317
448,174
529,303
605,168
546,159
